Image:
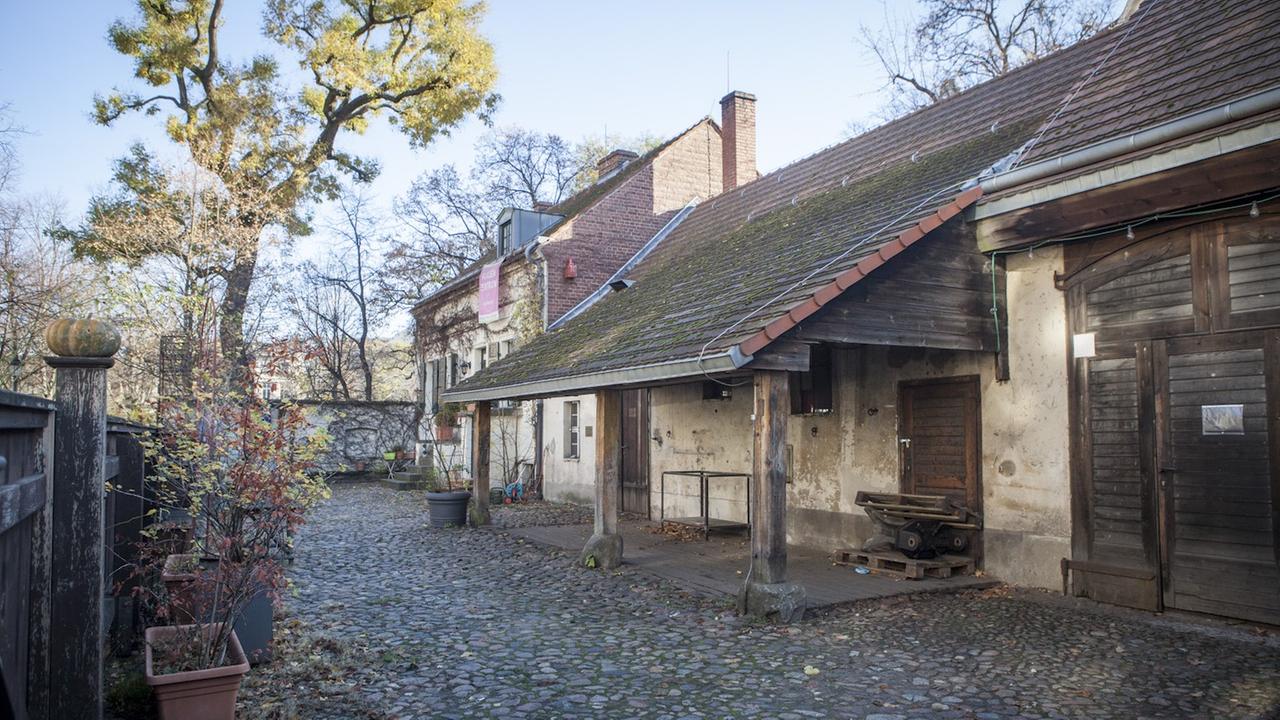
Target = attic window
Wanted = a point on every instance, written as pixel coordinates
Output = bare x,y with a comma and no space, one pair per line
621,284
504,238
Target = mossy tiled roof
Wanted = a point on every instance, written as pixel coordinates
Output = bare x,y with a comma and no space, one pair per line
752,243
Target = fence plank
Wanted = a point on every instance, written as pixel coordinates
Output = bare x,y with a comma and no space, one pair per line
20,500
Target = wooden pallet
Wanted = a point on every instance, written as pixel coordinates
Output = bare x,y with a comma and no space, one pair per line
899,565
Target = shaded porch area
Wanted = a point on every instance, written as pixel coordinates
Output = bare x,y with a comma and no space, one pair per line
717,567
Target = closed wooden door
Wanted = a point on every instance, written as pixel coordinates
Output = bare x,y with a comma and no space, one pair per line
939,439
635,455
1216,408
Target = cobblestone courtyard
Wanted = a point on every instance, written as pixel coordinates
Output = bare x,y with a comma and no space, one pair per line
392,619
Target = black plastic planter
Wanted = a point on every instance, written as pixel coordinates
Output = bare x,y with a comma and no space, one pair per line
448,509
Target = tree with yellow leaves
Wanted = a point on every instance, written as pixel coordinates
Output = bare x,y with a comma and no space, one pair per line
420,64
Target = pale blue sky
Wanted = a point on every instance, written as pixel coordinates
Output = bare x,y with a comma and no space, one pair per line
567,67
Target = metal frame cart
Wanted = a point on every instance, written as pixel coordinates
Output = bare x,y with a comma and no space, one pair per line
706,523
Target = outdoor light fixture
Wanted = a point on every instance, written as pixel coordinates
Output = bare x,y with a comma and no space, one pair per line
1083,345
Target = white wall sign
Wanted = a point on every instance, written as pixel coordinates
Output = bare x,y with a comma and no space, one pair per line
1222,419
1083,346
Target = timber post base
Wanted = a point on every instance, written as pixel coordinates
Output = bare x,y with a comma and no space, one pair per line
783,602
478,513
602,551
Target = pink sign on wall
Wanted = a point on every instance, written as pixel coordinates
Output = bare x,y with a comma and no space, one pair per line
490,280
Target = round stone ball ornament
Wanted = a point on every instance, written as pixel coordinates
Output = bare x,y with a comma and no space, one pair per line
82,338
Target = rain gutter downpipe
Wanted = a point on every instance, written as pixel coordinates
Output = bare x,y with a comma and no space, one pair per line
1188,124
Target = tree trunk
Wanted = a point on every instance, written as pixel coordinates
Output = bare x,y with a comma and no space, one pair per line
234,302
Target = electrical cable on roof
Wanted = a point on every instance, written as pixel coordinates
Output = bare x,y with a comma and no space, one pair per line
1053,119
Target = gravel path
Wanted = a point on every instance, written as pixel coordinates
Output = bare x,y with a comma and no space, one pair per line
392,619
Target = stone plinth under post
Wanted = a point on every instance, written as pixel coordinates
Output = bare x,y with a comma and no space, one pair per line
481,426
604,548
766,592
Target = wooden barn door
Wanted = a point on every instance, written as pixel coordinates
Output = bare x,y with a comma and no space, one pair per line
1176,407
635,452
1216,408
939,435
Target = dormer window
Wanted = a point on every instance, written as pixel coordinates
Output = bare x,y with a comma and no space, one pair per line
504,238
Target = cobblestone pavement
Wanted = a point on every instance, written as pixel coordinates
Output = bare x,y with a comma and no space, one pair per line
539,513
473,624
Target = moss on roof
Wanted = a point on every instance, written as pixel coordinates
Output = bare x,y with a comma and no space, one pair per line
699,283
750,243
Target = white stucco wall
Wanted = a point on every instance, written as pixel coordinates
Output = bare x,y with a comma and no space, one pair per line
569,479
1025,446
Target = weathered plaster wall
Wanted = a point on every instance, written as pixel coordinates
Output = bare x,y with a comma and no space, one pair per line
359,432
1026,498
569,479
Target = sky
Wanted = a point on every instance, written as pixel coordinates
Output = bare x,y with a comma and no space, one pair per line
572,68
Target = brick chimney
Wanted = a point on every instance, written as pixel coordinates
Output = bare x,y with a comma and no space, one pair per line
614,160
738,134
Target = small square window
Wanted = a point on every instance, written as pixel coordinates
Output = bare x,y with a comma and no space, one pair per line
812,391
571,429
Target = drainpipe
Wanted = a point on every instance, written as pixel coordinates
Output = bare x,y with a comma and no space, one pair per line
541,269
537,444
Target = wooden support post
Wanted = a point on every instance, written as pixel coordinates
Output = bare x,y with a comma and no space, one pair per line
604,549
481,426
77,557
766,592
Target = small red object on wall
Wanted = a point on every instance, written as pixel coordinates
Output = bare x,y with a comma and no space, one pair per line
570,270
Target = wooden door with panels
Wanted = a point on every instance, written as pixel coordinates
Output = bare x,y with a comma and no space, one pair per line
635,452
1175,452
940,438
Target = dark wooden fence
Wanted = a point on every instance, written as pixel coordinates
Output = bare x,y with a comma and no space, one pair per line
25,436
47,663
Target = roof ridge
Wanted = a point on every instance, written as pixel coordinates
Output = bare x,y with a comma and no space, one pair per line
986,84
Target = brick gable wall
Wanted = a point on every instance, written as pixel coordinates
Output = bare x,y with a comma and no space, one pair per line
603,237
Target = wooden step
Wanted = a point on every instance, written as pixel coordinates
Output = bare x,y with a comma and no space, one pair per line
899,565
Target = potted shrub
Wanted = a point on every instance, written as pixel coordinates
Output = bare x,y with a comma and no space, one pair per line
446,419
195,671
447,497
246,474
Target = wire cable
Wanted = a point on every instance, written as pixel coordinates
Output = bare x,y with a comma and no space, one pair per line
905,215
1053,119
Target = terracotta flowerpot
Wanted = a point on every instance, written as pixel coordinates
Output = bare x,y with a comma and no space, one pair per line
179,583
196,694
444,434
189,603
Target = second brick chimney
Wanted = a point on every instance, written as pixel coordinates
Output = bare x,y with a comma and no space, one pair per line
738,133
614,160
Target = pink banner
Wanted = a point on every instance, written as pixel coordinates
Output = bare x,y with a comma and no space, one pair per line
490,283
